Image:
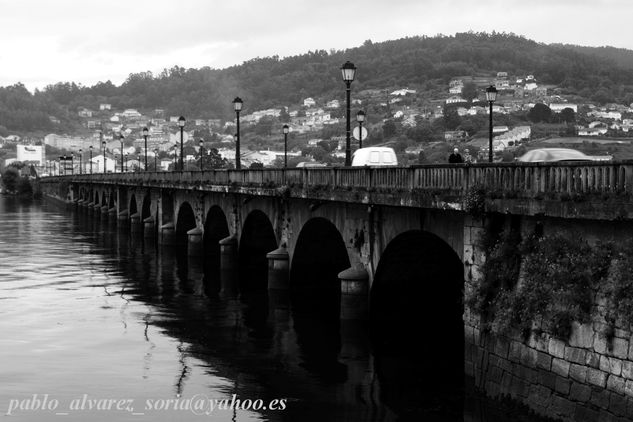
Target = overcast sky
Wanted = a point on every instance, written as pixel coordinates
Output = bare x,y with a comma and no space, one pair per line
86,41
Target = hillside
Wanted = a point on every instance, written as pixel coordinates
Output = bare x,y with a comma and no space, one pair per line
620,56
425,63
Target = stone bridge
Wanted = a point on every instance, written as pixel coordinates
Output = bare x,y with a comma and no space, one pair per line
396,245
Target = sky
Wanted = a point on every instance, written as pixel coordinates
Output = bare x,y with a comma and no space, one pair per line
43,42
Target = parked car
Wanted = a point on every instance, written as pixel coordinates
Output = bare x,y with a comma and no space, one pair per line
548,155
374,156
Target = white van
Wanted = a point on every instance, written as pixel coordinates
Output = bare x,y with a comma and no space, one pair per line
374,156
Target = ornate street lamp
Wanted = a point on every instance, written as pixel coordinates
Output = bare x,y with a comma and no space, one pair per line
103,145
201,155
175,156
145,135
491,96
125,162
286,130
237,106
80,161
360,118
348,70
121,137
90,159
181,124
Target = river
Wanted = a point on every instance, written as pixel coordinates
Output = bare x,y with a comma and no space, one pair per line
100,325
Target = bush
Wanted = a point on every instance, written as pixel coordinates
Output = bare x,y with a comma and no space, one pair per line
550,279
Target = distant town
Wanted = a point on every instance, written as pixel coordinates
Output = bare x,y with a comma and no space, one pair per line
119,133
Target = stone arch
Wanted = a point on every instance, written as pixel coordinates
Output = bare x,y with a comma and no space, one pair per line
133,206
167,208
185,221
320,254
416,309
257,239
146,207
112,202
216,228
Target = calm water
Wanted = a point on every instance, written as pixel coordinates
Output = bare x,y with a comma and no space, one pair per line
88,314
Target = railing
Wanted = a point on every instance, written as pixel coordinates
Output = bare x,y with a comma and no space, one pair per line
525,178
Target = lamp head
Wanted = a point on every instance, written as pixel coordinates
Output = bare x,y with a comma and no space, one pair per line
348,71
237,104
491,94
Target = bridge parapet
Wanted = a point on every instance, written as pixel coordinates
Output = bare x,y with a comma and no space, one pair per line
602,190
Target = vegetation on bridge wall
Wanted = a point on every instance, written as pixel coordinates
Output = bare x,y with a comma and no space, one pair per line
548,283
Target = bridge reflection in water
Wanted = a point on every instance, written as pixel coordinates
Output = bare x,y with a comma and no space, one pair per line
294,344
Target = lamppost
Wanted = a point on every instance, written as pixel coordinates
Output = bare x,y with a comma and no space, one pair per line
286,130
360,118
90,159
145,135
121,137
104,161
156,159
237,106
125,162
201,155
181,123
348,71
80,161
72,163
491,96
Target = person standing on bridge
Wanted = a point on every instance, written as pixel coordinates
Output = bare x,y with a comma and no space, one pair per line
455,157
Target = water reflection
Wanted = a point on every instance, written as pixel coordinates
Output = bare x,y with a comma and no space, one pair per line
149,321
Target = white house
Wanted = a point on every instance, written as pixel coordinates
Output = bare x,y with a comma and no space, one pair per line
453,99
558,107
97,164
309,102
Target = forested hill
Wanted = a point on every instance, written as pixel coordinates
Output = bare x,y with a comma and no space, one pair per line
425,63
620,56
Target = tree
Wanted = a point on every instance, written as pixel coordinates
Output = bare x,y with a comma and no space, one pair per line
540,113
470,91
567,115
451,118
389,128
213,160
10,179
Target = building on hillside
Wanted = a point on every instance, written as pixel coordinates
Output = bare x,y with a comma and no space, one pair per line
84,112
455,99
403,92
558,107
30,153
105,106
455,135
309,102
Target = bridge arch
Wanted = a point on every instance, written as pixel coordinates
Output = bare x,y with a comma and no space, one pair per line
185,221
112,201
133,207
146,208
216,228
167,208
416,310
320,254
257,239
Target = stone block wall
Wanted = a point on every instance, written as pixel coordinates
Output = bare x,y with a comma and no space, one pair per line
588,377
